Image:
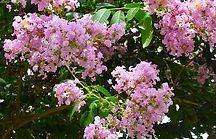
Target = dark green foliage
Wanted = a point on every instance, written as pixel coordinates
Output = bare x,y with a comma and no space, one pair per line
197,104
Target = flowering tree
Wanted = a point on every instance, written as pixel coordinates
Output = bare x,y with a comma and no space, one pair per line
107,69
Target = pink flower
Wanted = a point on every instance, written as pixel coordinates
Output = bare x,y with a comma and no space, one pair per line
9,7
50,42
145,105
204,73
182,21
98,130
68,92
143,75
45,4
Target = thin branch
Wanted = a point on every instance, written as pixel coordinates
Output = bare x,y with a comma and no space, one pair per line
19,93
185,66
86,88
72,73
186,101
119,8
27,119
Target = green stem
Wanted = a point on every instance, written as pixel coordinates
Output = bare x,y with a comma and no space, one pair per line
86,88
119,8
72,73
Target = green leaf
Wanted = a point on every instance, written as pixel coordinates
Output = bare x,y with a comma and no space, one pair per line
2,81
131,14
140,14
146,30
113,99
118,17
102,90
91,99
104,5
63,74
133,5
146,37
69,15
87,118
1,12
102,15
72,111
93,106
104,112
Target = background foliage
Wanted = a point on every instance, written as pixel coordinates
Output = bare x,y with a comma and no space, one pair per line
26,108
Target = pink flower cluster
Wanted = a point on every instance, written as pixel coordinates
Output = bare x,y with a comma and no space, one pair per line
51,4
177,30
153,5
145,105
204,14
49,42
98,130
204,73
183,21
69,92
143,75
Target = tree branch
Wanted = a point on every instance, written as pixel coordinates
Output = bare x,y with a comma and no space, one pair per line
186,101
185,66
27,119
19,93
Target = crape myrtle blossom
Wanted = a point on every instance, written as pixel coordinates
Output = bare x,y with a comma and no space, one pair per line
204,15
45,4
68,93
49,42
153,5
182,21
144,74
145,105
177,31
204,73
99,130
